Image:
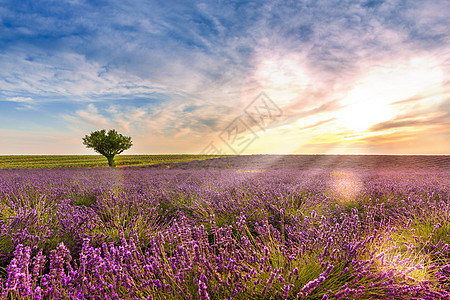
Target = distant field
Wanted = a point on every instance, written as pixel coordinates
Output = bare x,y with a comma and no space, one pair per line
323,162
51,161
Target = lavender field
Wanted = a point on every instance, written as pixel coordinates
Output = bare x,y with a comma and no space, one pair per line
244,227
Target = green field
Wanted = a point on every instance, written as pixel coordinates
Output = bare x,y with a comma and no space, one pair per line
51,161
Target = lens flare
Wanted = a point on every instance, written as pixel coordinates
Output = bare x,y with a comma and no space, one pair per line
345,186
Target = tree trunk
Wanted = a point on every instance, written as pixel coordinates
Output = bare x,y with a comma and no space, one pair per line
111,161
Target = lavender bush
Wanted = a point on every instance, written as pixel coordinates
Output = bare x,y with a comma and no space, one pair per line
231,233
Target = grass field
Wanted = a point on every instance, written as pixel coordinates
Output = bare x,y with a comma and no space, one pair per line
51,161
243,227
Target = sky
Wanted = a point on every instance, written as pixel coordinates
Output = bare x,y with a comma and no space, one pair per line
237,77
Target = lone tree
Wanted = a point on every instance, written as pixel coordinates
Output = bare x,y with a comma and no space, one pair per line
108,144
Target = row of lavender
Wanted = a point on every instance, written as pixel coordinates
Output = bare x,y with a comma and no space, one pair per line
216,234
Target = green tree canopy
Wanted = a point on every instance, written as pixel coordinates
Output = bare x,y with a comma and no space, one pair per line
108,144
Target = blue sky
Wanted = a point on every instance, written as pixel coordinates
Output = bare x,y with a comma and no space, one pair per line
347,76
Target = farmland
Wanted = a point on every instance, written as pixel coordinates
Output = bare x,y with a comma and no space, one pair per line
241,227
51,161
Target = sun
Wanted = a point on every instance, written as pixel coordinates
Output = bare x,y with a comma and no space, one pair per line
371,100
361,115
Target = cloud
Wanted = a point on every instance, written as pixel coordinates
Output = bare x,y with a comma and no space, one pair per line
19,99
90,118
199,50
436,119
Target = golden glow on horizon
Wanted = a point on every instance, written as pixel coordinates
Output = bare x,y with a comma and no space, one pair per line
392,92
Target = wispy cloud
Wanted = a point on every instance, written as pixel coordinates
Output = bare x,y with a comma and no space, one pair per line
441,119
19,99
